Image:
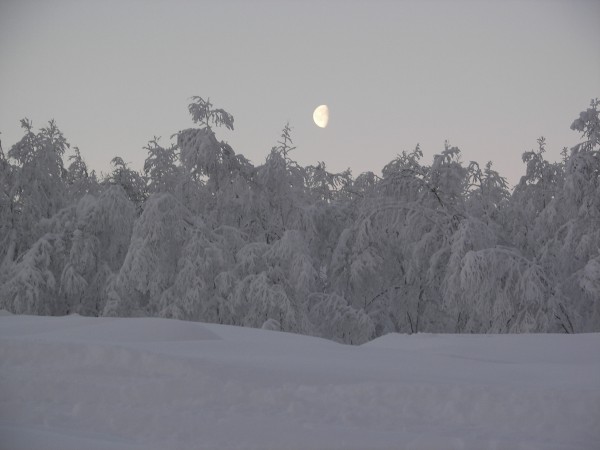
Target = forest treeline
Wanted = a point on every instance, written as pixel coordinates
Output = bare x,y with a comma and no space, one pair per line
202,234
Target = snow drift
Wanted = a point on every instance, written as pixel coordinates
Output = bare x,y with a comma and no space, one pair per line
109,383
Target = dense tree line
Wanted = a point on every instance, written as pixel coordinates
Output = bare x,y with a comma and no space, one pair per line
202,234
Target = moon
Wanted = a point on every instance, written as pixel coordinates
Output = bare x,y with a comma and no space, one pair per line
321,116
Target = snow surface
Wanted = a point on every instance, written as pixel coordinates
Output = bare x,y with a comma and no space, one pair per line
105,383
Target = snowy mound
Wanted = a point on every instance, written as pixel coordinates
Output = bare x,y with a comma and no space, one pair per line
75,382
77,328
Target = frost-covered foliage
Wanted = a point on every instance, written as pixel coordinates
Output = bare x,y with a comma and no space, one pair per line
150,265
37,184
31,287
202,234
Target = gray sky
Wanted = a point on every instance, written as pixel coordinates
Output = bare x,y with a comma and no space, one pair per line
489,76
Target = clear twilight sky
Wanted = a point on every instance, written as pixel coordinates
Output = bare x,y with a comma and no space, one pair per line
489,76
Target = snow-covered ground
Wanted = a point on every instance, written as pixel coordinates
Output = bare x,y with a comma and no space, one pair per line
75,382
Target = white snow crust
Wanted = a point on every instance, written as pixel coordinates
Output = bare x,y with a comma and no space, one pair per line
110,383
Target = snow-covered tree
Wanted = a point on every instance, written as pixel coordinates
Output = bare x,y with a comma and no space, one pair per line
38,182
79,180
508,293
130,180
31,285
203,283
161,168
274,282
98,247
571,223
333,318
8,218
281,191
150,265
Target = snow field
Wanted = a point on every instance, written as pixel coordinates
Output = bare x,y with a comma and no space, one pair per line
100,383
